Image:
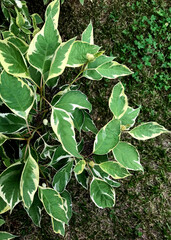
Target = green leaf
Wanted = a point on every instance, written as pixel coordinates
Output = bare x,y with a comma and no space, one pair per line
53,9
19,43
88,124
118,102
87,35
16,94
113,70
34,211
107,138
83,179
4,207
78,54
10,184
29,181
114,169
62,177
58,227
60,59
147,130
63,127
72,100
53,204
12,60
78,119
3,139
129,117
43,46
1,222
6,236
91,70
58,155
101,193
67,203
79,168
82,2
128,156
10,123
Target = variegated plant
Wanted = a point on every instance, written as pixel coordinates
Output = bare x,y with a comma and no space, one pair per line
49,130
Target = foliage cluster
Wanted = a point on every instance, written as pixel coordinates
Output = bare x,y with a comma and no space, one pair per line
48,130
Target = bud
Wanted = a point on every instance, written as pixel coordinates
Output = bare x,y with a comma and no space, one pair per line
90,57
45,121
44,185
91,164
123,128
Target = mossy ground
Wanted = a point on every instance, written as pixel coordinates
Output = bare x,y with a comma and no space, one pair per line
142,202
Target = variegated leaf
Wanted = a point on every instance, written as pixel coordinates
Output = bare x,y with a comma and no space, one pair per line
129,118
19,43
88,124
113,70
58,226
10,123
16,94
83,179
114,169
91,70
3,138
12,60
62,177
79,167
78,119
53,204
10,184
29,181
118,102
147,130
79,51
128,156
107,138
53,9
63,127
6,236
60,59
72,100
87,35
4,207
58,155
101,193
67,203
43,47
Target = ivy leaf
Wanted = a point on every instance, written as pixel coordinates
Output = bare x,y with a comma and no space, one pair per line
129,117
107,138
78,54
53,204
147,130
16,94
114,169
29,181
63,127
10,123
101,193
118,102
72,100
12,60
87,35
128,156
62,177
10,184
113,70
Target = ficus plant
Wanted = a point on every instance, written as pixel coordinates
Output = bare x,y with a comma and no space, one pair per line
42,135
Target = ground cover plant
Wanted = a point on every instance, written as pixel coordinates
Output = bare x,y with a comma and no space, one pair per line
43,143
